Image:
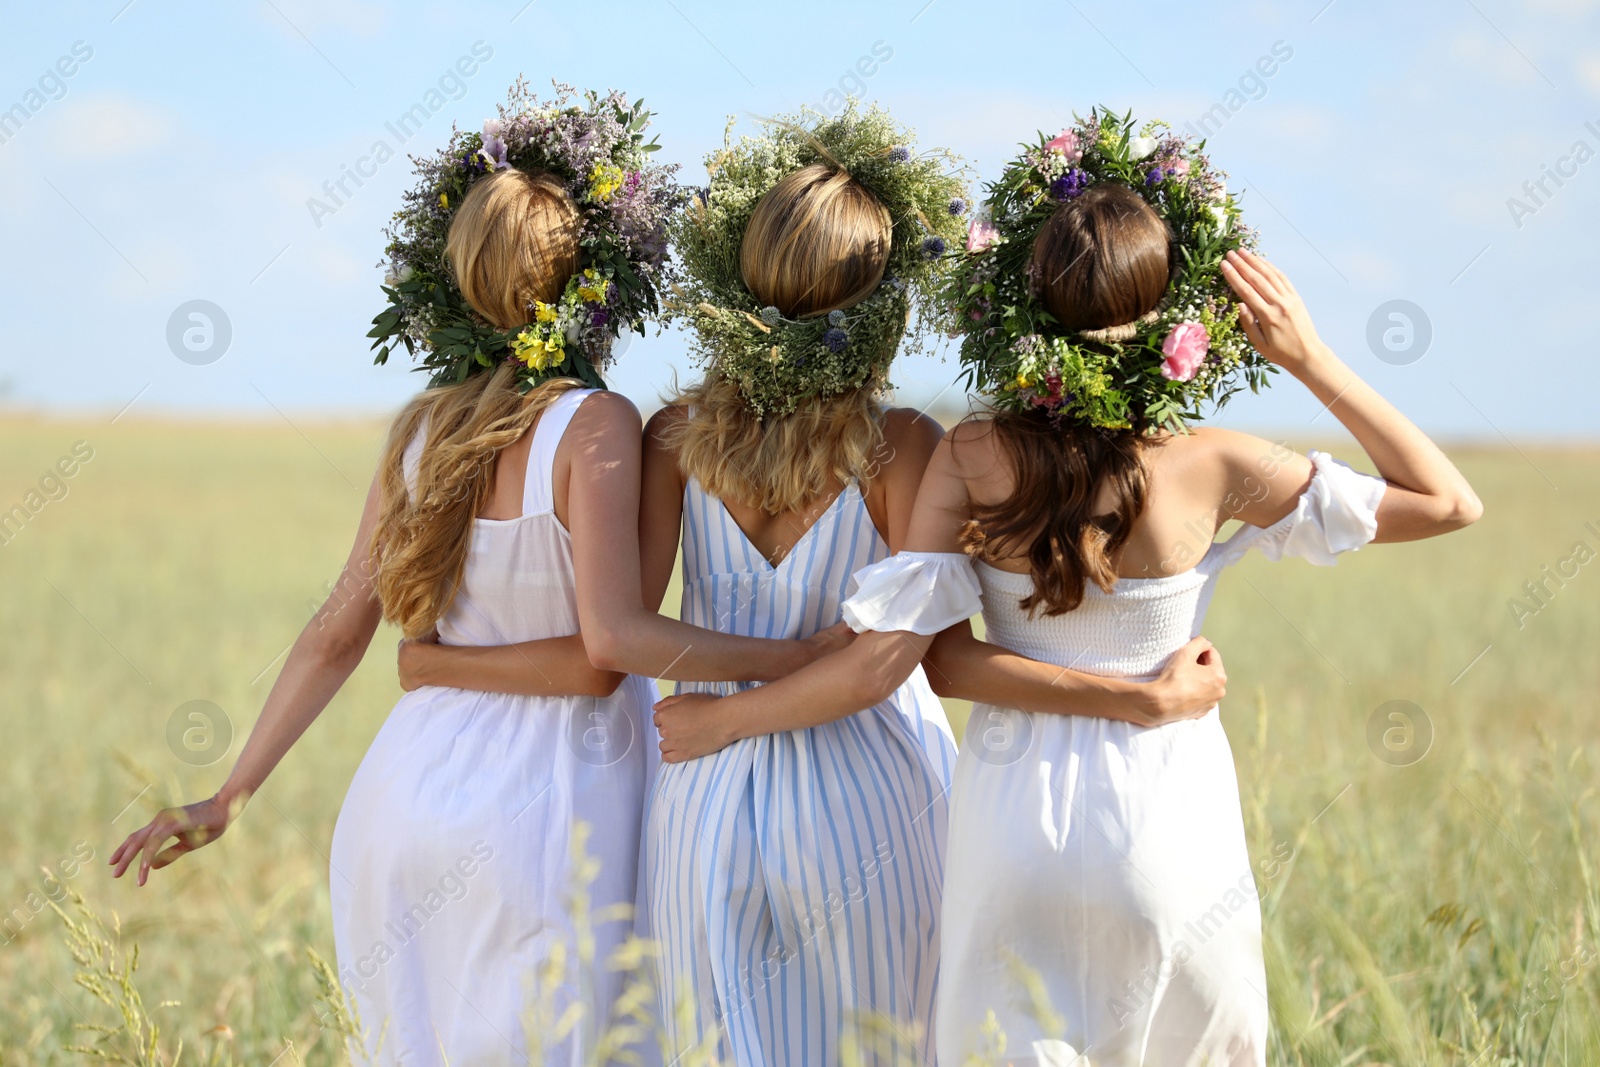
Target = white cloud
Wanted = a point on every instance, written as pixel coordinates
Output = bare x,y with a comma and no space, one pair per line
97,126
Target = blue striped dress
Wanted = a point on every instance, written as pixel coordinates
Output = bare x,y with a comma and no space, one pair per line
793,880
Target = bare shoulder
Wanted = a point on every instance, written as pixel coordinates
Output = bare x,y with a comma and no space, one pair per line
1226,465
604,411
661,445
972,448
1211,449
910,420
910,429
665,420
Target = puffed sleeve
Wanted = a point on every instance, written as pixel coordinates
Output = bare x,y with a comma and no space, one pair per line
922,592
1337,513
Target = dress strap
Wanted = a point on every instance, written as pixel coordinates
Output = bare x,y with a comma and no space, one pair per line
538,492
411,458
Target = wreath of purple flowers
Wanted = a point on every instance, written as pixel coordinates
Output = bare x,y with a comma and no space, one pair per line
595,145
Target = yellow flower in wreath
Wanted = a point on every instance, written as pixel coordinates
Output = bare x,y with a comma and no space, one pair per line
543,312
538,352
592,286
604,180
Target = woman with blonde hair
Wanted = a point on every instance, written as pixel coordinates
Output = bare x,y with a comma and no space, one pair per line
1099,905
505,505
792,878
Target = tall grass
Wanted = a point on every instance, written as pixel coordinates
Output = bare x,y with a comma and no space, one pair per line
1444,912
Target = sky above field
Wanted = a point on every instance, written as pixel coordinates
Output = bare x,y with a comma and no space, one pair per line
1438,154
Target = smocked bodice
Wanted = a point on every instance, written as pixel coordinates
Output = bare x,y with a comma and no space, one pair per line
1133,629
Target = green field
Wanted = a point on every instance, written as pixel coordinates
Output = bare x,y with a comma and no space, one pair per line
1443,912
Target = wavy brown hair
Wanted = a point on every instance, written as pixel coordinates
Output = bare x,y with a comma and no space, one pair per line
513,241
1101,260
817,241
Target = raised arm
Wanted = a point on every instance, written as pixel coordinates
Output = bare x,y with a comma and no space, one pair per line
328,649
871,668
1427,496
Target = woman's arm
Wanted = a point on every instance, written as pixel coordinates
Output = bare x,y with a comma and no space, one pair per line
964,668
870,669
865,673
660,508
561,666
1427,496
554,666
602,445
328,649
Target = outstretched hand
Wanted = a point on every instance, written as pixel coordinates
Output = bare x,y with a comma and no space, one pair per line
193,825
1191,684
1271,313
691,725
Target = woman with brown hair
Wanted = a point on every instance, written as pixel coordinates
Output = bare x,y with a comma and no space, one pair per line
1098,903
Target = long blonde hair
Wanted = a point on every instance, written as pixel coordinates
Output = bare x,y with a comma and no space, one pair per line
777,464
513,241
818,241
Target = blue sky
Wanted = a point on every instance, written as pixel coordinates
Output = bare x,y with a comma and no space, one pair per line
1378,160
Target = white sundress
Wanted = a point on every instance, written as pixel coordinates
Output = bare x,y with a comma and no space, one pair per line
1105,862
452,858
793,879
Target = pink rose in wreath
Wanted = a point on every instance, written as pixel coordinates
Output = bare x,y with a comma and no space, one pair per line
981,234
1065,142
1185,349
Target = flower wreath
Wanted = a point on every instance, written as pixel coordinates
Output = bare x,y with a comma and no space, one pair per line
599,153
776,361
1155,373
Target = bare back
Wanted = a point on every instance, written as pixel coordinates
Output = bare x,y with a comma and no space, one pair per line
1197,483
890,494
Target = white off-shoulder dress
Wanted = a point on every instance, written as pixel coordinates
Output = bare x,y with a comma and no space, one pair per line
1101,863
793,878
452,867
